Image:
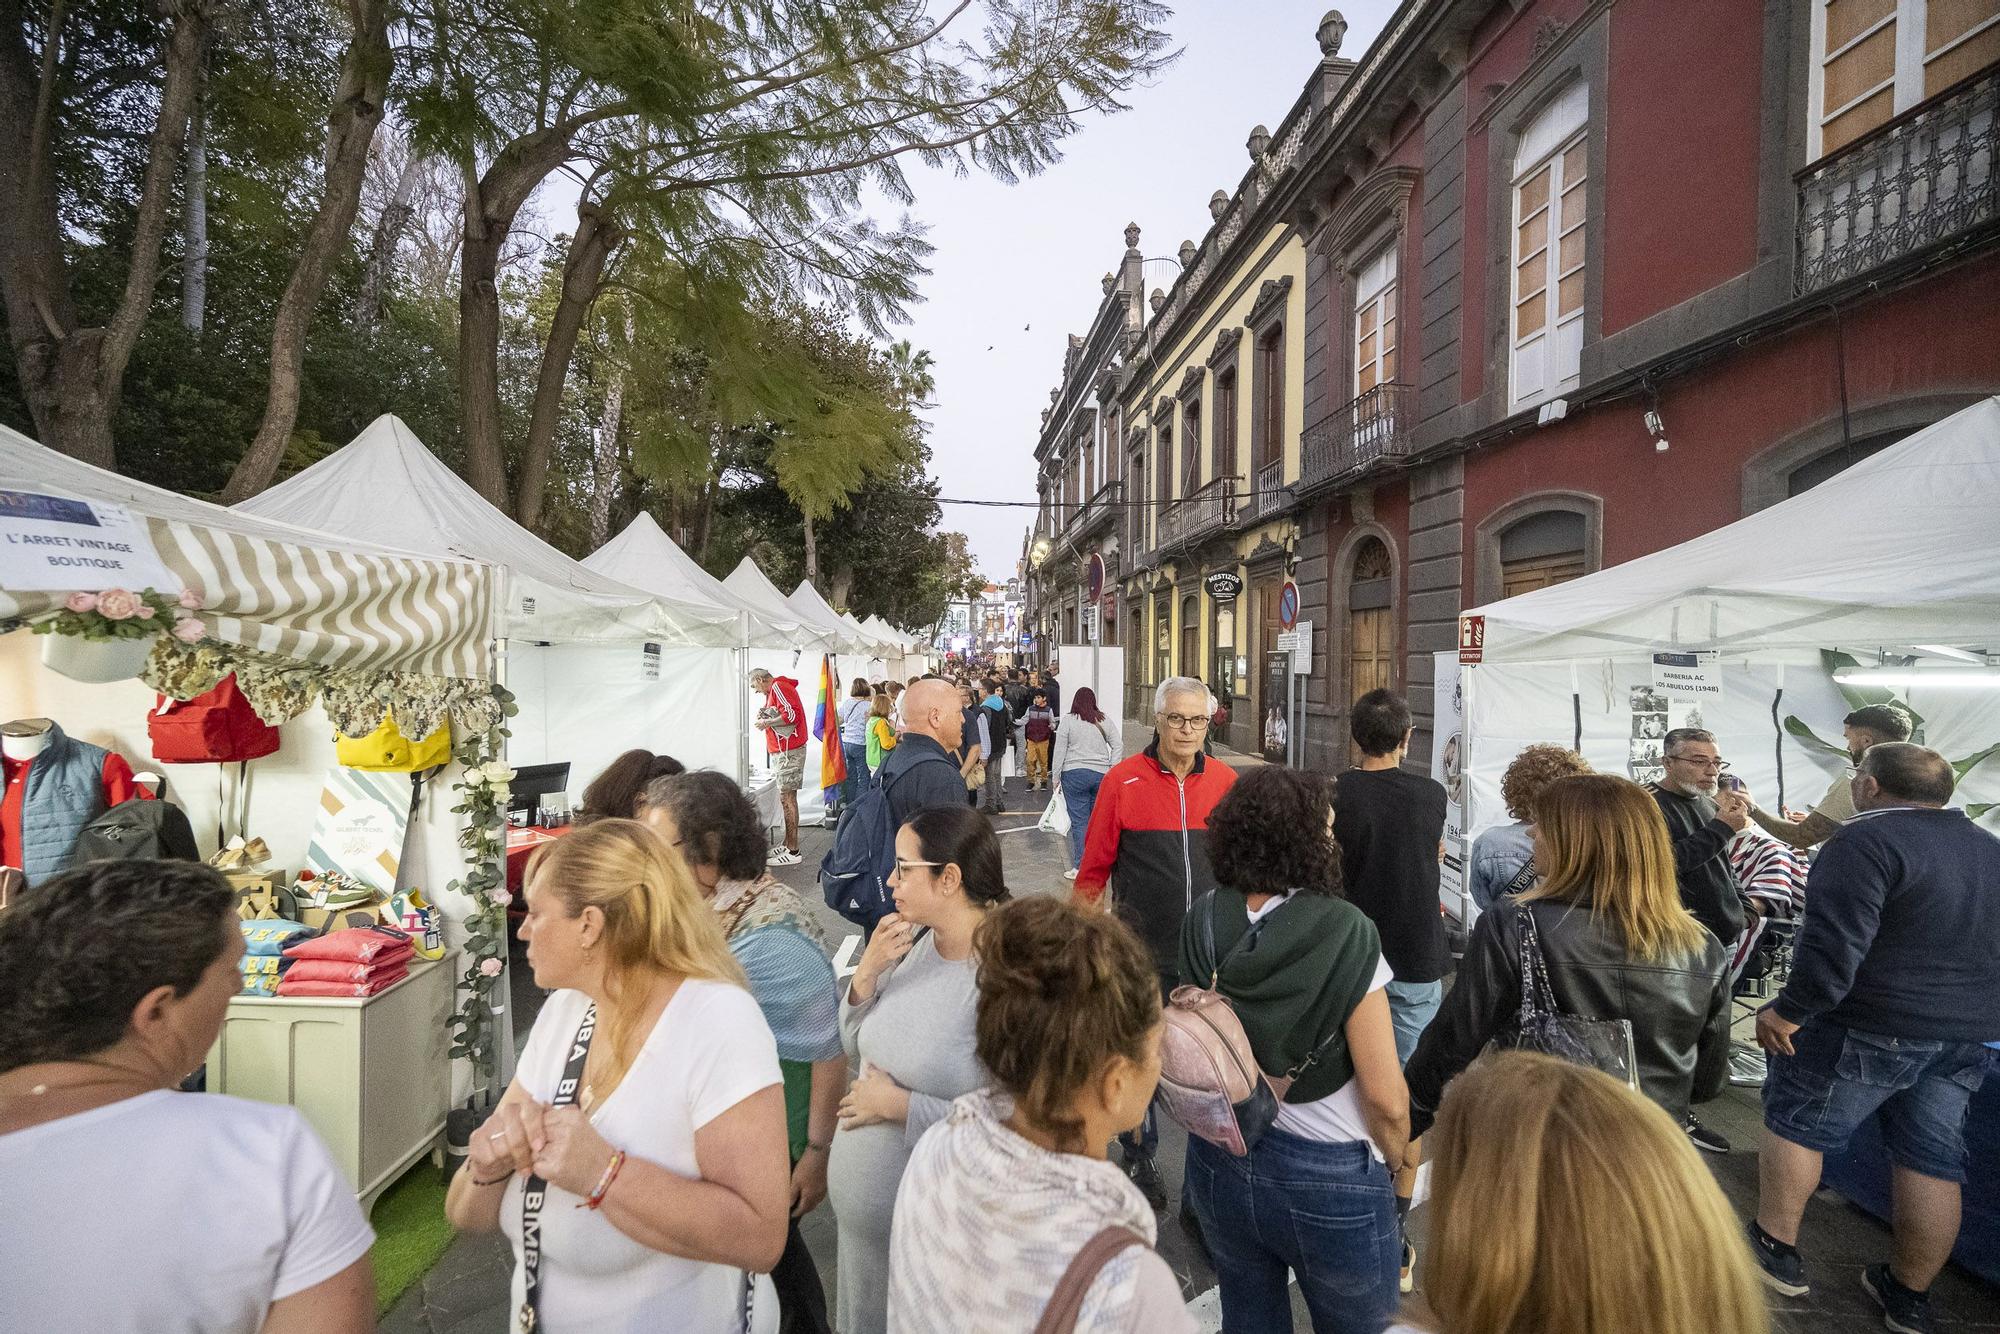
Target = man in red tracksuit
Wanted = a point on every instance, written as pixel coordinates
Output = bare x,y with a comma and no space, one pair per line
783,722
1148,841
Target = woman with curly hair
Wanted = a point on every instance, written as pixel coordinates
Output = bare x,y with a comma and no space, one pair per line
1304,970
1503,857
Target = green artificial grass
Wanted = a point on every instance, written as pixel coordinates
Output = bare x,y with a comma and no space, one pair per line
411,1233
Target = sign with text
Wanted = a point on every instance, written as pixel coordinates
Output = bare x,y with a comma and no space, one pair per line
54,544
1471,638
1695,675
1302,649
1224,586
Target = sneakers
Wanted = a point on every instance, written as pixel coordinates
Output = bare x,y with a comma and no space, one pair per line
1708,1141
1145,1174
1070,874
1779,1265
1903,1311
1746,1067
783,857
1406,1282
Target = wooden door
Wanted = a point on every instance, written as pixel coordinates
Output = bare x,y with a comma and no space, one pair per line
1264,644
1371,654
1525,576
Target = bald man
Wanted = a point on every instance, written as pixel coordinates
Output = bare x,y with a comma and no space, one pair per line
922,771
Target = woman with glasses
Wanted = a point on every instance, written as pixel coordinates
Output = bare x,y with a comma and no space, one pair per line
1616,942
909,1022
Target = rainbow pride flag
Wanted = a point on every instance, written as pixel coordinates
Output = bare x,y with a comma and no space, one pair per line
832,759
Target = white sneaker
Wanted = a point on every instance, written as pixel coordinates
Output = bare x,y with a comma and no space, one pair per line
1070,874
783,857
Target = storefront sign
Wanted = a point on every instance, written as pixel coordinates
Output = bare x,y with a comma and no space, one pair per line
53,544
1224,586
1694,675
1471,638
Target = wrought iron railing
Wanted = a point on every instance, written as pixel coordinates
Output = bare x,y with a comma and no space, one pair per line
1924,177
1269,496
1209,510
1103,505
1357,435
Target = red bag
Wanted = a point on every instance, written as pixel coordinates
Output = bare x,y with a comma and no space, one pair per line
219,727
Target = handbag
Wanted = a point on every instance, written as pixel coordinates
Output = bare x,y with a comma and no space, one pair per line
1210,1082
975,777
1066,1303
387,750
218,727
1600,1044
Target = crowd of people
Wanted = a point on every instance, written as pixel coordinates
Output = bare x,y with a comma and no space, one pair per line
699,1079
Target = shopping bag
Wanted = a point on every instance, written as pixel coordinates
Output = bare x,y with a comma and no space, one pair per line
1055,817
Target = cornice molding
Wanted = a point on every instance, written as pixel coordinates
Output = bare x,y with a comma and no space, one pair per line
1227,341
1270,301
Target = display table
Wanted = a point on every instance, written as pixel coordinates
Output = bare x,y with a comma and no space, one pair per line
521,845
763,790
371,1075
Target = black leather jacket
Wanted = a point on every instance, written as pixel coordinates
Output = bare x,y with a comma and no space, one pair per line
1679,1008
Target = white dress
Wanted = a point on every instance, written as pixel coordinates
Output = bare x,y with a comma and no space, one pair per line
709,1050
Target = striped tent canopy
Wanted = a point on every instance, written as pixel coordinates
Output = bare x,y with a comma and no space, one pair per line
276,587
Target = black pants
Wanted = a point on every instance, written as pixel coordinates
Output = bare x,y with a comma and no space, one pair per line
801,1296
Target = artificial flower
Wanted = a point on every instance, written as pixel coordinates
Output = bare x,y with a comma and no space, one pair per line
81,602
191,599
490,967
190,630
115,604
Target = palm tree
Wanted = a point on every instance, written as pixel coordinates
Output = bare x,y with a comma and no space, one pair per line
912,368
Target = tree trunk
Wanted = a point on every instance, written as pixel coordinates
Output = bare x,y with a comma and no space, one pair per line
604,465
843,586
70,375
812,552
583,272
357,110
373,298
194,223
491,203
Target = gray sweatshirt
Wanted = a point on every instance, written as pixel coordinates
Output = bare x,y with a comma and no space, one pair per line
1082,745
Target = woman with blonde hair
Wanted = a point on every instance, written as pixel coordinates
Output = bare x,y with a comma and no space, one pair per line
1529,1154
643,1138
1617,944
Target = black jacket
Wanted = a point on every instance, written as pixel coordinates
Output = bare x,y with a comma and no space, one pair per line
1701,862
933,777
1679,1008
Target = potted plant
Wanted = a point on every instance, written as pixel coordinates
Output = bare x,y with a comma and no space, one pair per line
107,636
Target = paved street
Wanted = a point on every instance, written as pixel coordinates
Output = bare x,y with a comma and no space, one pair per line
467,1292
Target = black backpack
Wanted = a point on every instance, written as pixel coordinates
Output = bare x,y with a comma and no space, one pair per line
854,874
153,830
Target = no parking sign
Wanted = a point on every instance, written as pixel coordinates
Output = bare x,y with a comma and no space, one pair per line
1288,605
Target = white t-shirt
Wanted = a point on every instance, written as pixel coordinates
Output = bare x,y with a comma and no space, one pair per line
1336,1118
170,1213
709,1050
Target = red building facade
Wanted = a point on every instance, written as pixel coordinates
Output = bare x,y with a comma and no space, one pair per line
1587,279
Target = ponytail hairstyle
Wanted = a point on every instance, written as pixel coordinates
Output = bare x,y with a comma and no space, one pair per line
962,837
656,923
1062,991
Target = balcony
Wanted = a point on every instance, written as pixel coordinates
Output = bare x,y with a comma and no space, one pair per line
1922,178
1269,497
1208,511
1102,508
1373,429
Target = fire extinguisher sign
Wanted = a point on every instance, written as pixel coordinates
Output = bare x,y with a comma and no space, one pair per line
1471,638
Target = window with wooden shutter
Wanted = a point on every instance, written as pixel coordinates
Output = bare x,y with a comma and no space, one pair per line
1268,396
1191,447
1542,549
1551,201
1225,424
1875,59
1375,321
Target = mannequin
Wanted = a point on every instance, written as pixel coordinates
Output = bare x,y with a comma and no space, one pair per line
55,785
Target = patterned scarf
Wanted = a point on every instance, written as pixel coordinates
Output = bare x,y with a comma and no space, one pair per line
751,905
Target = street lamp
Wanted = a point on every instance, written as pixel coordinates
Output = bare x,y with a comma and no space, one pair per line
1038,552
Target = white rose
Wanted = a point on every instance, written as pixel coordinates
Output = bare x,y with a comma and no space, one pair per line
497,772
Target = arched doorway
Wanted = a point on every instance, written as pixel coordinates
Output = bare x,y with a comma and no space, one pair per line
1371,622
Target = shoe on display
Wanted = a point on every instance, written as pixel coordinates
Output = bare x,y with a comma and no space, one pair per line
1903,1311
1747,1068
1406,1280
1779,1265
1145,1174
1708,1141
783,857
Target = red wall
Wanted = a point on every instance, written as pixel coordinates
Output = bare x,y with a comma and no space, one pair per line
1723,414
1682,130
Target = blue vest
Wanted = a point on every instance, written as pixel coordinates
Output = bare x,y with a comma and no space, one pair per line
65,793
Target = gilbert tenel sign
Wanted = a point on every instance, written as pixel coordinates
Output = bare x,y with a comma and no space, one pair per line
1224,586
61,544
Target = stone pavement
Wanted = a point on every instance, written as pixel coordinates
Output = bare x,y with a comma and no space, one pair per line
467,1293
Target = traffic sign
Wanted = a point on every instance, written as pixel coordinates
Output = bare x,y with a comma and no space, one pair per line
1288,605
1096,577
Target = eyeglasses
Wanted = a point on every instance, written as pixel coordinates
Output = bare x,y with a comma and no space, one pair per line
1185,722
1699,762
904,868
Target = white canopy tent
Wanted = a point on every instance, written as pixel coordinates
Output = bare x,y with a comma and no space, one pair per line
850,637
646,558
755,589
1899,554
597,665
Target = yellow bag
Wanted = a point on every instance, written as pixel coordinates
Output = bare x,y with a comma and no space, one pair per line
387,750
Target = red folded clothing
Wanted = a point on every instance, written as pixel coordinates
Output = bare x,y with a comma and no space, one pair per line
355,944
334,970
375,983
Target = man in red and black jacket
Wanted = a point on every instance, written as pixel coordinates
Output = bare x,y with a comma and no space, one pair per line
1148,842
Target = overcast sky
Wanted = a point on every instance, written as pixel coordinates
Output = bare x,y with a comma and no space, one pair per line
1017,267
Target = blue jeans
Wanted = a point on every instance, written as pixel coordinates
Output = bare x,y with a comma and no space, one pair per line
1839,1077
1079,790
1324,1211
1412,1006
856,781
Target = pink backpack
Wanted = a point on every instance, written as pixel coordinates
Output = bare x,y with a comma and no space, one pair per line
1210,1083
